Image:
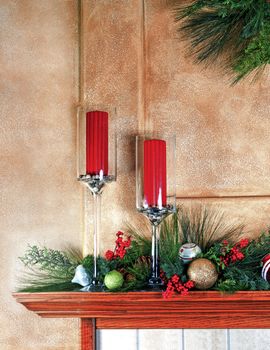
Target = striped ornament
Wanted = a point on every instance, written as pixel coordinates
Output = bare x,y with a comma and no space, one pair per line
266,268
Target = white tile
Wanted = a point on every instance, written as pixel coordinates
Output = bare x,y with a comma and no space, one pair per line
250,339
160,339
122,339
205,339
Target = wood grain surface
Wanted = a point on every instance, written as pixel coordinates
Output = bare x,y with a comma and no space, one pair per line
149,310
88,334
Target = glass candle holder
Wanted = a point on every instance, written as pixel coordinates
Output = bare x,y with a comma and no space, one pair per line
96,165
155,189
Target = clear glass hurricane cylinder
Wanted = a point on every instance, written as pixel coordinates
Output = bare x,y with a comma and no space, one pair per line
96,166
155,188
96,142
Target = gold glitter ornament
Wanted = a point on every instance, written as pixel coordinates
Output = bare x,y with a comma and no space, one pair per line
203,273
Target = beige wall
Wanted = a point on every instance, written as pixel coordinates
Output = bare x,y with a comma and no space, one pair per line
131,59
40,199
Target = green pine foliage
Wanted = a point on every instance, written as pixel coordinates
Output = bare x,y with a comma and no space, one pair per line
139,270
234,279
244,274
170,244
170,240
53,270
173,268
255,56
48,269
103,265
140,246
140,274
38,282
255,252
205,226
237,30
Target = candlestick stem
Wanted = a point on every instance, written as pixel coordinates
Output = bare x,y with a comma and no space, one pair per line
155,281
96,285
97,208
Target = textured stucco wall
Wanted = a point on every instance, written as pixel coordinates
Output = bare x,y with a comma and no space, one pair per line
130,59
40,198
223,132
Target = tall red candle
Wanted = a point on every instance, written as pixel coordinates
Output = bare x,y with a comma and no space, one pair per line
97,143
155,186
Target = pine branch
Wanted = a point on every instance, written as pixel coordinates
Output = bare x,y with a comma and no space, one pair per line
35,280
169,240
33,287
204,227
255,57
235,30
141,242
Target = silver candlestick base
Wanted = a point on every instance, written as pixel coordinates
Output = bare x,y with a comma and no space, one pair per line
96,183
157,214
94,286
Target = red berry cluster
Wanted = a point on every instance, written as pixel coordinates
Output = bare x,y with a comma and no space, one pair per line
120,247
234,253
175,284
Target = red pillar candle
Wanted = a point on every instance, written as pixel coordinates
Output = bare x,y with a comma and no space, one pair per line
97,143
155,187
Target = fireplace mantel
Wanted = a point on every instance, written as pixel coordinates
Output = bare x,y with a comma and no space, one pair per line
149,310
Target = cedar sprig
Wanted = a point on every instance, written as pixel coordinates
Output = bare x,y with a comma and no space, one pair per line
54,262
48,269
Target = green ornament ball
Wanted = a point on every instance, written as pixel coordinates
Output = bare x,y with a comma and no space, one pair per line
113,280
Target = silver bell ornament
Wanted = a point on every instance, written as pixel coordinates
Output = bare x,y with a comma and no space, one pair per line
188,252
81,276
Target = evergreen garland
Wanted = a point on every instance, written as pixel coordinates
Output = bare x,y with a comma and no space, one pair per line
246,274
237,30
238,261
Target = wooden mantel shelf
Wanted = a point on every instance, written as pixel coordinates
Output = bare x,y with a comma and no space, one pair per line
149,310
